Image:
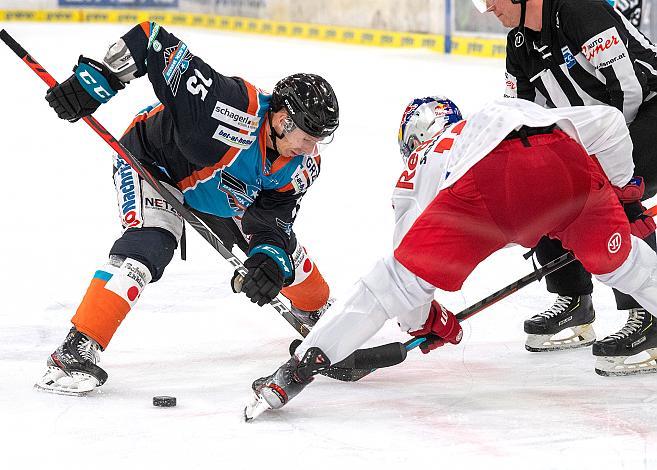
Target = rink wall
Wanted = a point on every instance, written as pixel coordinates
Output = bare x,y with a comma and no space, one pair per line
455,44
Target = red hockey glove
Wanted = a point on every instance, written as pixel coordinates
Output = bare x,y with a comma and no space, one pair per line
630,195
441,327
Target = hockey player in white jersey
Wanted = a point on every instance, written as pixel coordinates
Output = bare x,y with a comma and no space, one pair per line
511,173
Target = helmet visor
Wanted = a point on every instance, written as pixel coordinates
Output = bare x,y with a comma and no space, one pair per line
302,143
483,5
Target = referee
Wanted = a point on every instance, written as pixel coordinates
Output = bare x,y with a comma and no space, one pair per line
575,53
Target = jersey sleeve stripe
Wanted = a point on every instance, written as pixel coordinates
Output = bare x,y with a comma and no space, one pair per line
146,27
144,116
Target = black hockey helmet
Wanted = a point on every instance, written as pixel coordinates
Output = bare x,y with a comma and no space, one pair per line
310,101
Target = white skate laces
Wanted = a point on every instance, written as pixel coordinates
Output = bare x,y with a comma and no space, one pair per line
560,305
634,322
88,349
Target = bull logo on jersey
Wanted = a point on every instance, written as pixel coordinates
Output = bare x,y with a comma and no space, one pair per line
176,60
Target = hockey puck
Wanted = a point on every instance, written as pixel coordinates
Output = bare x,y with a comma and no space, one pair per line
164,402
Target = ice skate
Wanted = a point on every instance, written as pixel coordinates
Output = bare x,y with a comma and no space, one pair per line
565,325
633,350
274,391
72,368
310,318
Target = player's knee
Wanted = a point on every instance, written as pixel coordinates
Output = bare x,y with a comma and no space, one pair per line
635,271
154,247
610,253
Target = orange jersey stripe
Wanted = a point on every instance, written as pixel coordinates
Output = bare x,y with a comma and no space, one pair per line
227,159
143,117
146,27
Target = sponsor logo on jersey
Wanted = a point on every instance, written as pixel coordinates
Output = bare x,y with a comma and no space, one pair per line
158,204
176,60
609,62
155,28
614,244
239,194
233,116
598,45
127,194
233,138
568,57
305,175
511,86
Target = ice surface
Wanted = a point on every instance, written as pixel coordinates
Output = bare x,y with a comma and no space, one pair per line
486,403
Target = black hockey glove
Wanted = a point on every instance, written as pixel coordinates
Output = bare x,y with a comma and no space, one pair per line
91,84
268,269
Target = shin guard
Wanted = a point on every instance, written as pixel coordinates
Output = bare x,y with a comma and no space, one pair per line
113,291
309,291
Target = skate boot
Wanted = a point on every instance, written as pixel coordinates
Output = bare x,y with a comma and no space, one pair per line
276,390
310,318
571,315
72,368
637,338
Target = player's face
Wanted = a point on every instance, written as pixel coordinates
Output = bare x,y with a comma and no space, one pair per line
297,142
507,12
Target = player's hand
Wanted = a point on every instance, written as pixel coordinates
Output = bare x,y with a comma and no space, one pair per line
441,327
264,279
82,93
630,195
641,225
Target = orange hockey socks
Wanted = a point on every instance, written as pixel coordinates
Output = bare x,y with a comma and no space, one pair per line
309,292
113,291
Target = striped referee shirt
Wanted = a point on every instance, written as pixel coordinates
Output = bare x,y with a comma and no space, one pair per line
586,53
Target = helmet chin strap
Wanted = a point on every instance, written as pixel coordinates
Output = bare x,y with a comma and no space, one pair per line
273,133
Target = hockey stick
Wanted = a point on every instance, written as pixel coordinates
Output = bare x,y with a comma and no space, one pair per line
363,362
125,154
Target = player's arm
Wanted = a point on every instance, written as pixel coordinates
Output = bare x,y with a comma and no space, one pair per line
269,222
602,38
188,87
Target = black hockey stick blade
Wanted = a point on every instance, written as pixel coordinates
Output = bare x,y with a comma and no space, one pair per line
357,365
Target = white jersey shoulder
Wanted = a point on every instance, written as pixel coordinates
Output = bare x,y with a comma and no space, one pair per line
439,162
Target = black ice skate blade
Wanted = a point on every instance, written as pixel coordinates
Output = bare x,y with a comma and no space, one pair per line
625,373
